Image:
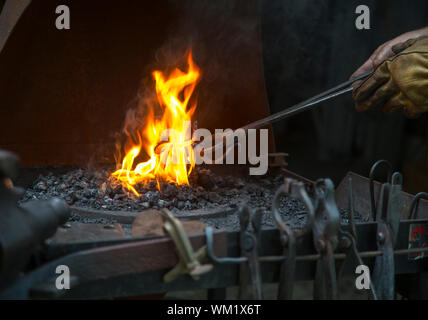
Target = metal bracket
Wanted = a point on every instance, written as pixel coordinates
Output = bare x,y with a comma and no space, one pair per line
189,262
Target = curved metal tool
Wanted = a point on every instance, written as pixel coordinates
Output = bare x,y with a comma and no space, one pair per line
249,241
309,103
348,242
388,221
325,233
189,262
306,104
413,214
209,234
288,236
371,176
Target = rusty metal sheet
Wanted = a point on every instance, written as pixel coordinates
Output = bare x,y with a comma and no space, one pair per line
78,232
361,194
114,261
127,217
297,177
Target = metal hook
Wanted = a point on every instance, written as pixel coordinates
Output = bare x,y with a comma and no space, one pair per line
415,203
371,176
209,234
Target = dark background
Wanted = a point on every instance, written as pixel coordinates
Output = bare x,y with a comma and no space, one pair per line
308,46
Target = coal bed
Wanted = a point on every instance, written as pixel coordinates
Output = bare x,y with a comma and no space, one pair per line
211,197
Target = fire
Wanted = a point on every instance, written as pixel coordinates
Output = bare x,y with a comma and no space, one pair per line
171,158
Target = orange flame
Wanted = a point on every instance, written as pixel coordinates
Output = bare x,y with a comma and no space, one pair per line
171,134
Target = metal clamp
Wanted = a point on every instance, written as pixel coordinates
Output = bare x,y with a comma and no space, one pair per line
348,242
288,236
325,231
388,221
189,262
249,259
250,241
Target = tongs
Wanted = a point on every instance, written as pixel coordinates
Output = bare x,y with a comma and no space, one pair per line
309,103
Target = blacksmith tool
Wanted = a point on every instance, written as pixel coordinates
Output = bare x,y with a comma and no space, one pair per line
325,232
189,261
251,226
413,214
309,103
348,242
289,236
388,213
298,108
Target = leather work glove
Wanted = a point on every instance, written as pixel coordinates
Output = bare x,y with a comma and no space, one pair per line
399,82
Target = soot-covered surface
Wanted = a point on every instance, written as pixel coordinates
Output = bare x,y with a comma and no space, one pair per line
207,192
98,190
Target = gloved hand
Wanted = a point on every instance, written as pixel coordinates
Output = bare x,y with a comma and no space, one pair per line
399,82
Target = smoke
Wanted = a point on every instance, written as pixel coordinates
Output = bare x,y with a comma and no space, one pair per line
221,34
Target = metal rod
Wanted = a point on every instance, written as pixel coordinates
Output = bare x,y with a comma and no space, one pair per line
342,256
309,103
298,108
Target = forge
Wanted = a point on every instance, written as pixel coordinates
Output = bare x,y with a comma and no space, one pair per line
213,196
141,148
158,165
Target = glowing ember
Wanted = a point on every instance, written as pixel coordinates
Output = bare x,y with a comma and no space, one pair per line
172,158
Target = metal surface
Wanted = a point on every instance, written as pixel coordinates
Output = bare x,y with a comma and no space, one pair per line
78,232
362,202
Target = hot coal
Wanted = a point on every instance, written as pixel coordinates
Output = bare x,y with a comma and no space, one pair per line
96,189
